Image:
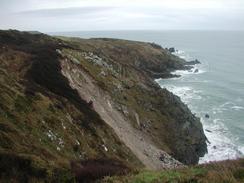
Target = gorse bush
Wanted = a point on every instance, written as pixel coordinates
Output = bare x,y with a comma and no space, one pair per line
93,169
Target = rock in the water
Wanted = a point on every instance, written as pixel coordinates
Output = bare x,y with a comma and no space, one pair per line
193,62
172,50
207,116
196,71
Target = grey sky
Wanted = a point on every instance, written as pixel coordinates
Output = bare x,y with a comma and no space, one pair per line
75,15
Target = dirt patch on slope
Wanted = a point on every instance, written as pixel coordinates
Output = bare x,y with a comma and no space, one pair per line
140,144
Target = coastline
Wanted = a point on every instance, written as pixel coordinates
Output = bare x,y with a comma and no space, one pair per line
220,147
80,113
115,76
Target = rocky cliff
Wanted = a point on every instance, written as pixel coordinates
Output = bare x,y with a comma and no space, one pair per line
63,99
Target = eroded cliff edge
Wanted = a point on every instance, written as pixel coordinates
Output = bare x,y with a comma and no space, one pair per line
47,83
125,70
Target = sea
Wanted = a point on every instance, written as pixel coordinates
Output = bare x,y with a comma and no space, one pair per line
215,93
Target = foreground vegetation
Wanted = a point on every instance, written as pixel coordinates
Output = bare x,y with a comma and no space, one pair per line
230,171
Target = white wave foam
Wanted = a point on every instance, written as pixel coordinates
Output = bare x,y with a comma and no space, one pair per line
241,149
197,69
182,54
183,57
227,106
237,108
179,52
188,72
185,93
221,145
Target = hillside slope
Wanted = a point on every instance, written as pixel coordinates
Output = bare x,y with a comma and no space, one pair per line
46,119
123,70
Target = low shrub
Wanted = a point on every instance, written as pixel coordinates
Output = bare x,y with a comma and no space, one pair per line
93,169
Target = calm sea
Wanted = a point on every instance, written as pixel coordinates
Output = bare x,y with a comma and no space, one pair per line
217,89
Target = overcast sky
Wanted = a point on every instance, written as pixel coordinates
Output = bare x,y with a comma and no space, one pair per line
76,15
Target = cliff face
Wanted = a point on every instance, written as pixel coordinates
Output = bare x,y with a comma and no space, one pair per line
125,70
47,83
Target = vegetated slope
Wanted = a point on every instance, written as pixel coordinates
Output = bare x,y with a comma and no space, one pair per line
46,120
43,122
231,171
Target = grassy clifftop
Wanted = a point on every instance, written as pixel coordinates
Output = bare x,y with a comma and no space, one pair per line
231,171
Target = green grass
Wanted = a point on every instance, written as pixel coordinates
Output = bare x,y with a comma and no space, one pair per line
160,177
230,171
